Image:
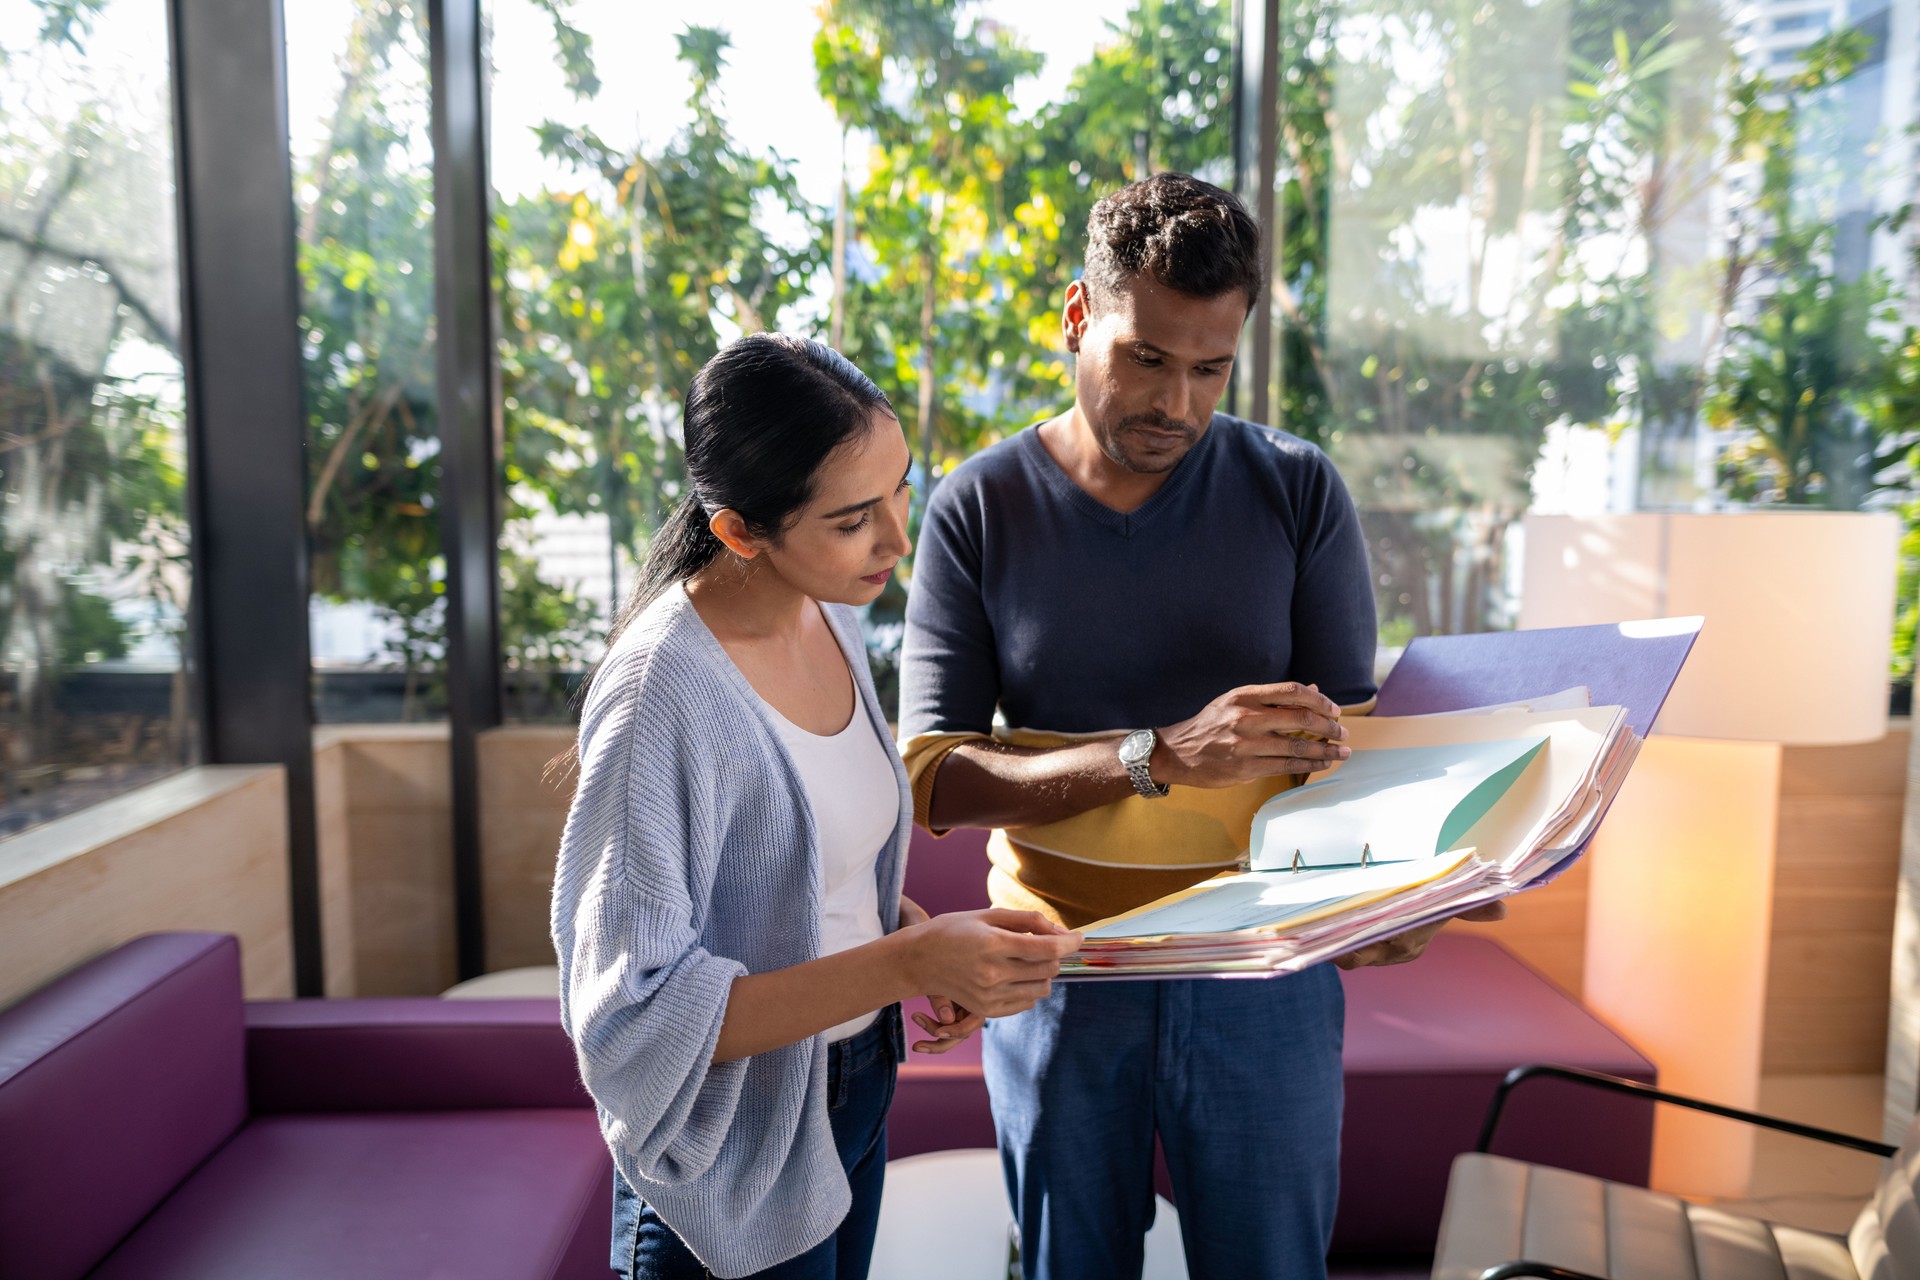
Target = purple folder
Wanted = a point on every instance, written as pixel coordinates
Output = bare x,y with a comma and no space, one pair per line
1629,664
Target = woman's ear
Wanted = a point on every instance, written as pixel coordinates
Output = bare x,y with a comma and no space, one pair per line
733,533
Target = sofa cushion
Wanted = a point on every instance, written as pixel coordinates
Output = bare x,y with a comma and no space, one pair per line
1501,1210
473,1195
115,1082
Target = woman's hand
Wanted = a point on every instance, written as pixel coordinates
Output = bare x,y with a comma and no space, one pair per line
992,963
950,1024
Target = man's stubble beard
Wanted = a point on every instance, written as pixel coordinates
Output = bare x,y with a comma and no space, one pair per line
1157,465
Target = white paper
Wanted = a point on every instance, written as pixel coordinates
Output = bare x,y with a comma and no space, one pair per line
1393,803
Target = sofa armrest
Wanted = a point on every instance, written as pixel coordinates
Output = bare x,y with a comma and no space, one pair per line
408,1054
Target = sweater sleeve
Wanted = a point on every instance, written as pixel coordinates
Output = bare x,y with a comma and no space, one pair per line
949,666
1334,627
641,999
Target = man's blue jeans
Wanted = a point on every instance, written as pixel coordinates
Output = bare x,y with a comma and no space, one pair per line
1241,1079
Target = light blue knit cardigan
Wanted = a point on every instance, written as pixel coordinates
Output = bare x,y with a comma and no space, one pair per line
689,859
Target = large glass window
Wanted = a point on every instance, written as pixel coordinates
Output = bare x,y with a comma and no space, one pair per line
907,182
94,576
1592,255
360,113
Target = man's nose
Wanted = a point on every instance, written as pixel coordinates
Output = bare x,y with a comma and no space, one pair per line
1173,398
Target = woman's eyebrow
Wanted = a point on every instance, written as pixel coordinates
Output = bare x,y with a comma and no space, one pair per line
849,510
862,506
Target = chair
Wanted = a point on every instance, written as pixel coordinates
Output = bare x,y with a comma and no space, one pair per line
1506,1218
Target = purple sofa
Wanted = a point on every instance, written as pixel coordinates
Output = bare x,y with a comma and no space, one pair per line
1426,1046
154,1125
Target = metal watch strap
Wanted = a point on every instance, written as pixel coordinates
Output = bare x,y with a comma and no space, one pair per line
1143,781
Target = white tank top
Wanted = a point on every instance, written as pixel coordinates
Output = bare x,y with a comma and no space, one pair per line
855,799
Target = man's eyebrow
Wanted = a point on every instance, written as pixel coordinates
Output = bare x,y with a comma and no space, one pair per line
862,506
1141,344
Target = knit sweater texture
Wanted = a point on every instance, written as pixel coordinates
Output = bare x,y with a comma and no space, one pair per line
689,859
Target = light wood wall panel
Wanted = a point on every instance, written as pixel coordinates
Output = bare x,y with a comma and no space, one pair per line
204,849
1835,870
1835,873
386,817
522,812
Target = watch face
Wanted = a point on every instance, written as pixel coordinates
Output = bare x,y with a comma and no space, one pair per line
1136,747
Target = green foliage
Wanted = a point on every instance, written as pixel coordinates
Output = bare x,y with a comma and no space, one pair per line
67,22
613,294
967,230
92,490
89,631
365,261
1799,376
365,204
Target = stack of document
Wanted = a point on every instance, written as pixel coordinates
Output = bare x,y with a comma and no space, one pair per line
1430,816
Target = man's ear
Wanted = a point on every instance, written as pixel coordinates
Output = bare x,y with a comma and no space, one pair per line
733,533
1073,317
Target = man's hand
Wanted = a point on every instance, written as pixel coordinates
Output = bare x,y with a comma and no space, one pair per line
949,1026
1257,731
1403,947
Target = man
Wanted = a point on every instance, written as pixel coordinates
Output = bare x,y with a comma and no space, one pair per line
1171,610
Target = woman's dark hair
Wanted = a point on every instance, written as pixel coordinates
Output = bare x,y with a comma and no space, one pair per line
761,417
1188,235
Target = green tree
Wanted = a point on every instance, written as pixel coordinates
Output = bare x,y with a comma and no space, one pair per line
364,203
1802,369
616,292
938,194
92,492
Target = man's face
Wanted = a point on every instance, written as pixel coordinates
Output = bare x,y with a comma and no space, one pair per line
1152,366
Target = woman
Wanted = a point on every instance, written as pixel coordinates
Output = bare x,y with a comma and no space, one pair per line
727,909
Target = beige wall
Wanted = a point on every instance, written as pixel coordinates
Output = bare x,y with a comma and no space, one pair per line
386,852
1835,871
522,811
205,849
385,812
1835,875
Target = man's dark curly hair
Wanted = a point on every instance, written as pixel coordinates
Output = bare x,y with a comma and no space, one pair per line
1186,234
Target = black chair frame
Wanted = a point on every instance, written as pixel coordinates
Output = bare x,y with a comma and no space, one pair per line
1520,1268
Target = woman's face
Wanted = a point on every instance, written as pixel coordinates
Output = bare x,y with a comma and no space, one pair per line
843,545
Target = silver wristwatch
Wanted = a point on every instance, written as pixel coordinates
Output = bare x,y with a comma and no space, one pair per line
1136,749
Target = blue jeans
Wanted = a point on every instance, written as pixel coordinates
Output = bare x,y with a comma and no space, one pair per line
1241,1080
860,1075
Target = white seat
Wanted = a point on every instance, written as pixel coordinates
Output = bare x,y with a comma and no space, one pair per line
1501,1210
944,1216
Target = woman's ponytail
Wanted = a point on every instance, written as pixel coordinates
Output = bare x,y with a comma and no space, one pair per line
682,546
